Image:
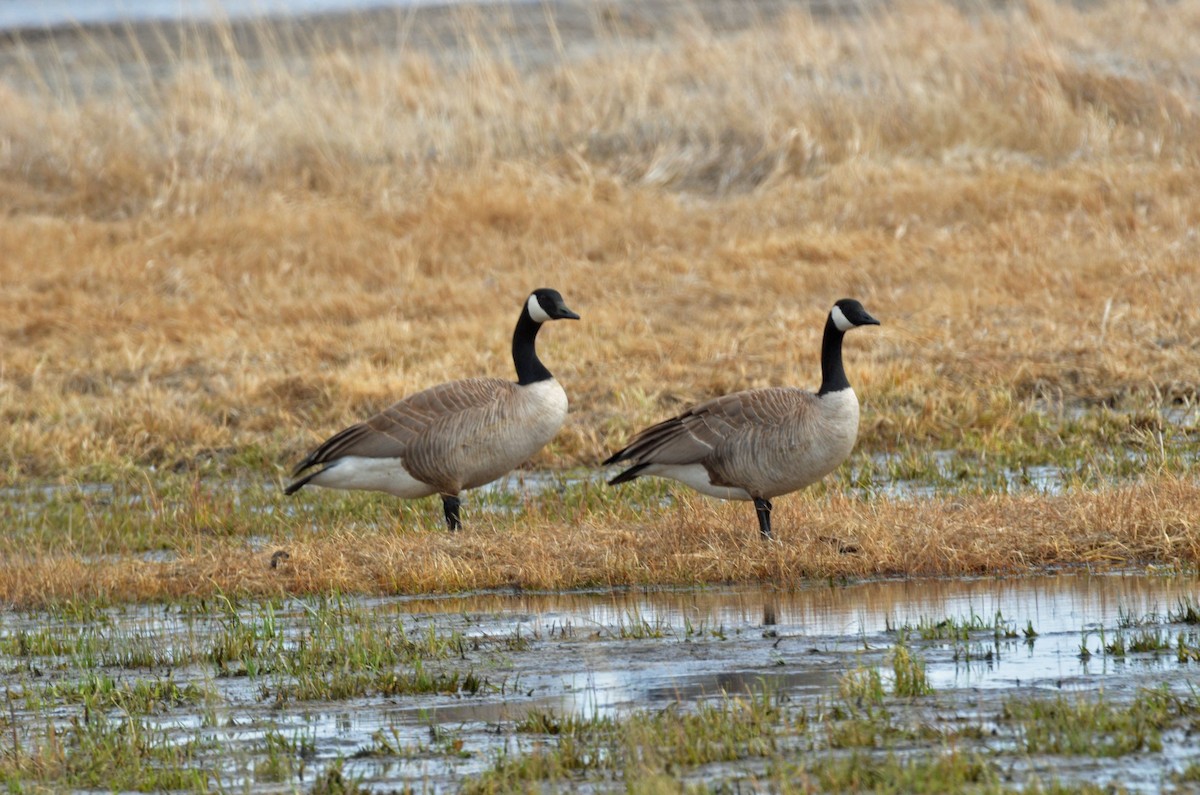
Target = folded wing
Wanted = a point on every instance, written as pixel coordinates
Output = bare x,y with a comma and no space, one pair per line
413,422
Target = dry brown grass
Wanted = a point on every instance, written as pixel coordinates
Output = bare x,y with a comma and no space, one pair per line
700,541
211,260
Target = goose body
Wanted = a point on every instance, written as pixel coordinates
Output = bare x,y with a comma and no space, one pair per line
454,436
758,444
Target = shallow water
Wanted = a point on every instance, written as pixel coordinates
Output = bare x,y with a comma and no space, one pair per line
612,652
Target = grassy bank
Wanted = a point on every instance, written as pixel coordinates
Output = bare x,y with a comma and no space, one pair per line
210,541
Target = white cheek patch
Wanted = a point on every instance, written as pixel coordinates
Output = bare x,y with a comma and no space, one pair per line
840,320
535,310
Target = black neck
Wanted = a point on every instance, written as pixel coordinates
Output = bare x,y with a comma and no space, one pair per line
530,369
833,375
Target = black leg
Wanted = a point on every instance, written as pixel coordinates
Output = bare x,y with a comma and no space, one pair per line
764,517
450,505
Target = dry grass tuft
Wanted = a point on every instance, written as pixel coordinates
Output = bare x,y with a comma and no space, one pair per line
699,541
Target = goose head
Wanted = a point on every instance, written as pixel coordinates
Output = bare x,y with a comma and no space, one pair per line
546,304
848,313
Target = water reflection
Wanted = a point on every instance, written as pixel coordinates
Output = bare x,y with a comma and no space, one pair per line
610,651
1062,602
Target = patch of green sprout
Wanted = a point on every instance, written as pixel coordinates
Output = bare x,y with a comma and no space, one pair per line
636,627
1190,775
100,692
862,686
1094,726
334,781
284,758
959,629
1186,611
1186,648
646,745
908,670
1150,640
93,752
948,771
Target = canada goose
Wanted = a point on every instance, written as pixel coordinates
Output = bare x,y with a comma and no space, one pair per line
760,443
453,436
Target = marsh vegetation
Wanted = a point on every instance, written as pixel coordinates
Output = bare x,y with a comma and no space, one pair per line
889,686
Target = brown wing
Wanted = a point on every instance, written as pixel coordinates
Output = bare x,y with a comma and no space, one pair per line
390,432
707,428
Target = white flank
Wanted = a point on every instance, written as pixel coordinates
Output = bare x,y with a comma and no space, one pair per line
696,476
840,320
535,310
372,474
